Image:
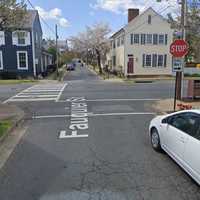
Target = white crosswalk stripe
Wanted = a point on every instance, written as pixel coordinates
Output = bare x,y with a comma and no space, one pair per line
40,92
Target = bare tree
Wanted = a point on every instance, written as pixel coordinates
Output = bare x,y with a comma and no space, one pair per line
93,39
12,13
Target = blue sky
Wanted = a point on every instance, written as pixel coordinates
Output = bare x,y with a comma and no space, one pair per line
73,15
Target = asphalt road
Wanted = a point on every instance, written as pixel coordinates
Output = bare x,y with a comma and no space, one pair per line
6,91
113,159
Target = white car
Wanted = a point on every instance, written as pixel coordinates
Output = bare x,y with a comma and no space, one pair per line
178,134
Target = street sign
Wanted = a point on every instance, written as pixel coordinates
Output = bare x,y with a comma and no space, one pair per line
193,3
179,48
177,65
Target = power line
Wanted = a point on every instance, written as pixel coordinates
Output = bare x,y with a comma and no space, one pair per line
49,27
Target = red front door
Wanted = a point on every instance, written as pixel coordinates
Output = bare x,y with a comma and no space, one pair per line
130,69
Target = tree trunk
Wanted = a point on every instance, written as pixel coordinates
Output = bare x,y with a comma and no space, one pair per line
99,61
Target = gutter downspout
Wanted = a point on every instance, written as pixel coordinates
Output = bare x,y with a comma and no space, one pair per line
33,52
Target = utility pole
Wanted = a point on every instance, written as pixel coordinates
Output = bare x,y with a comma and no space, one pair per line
180,75
57,59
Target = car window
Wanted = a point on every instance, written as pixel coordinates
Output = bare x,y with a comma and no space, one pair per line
194,125
179,122
188,123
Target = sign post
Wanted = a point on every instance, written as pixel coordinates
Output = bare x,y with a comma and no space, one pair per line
178,49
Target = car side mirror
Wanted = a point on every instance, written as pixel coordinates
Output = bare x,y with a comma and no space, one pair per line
165,121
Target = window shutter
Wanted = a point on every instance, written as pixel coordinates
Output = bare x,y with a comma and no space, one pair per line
166,38
165,60
14,38
2,38
28,38
143,60
131,38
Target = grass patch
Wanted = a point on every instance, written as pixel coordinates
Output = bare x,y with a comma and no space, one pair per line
5,125
12,81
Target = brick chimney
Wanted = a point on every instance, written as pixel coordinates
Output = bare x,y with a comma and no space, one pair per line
132,13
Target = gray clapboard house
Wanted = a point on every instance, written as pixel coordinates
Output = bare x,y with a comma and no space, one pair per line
21,52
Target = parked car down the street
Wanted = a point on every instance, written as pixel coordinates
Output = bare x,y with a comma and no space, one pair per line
178,134
70,67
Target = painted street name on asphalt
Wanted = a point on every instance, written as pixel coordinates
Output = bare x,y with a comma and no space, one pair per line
79,119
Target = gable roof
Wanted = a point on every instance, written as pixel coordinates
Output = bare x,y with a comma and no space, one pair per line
117,33
29,18
147,10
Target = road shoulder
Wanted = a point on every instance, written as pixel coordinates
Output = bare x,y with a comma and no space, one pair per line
12,136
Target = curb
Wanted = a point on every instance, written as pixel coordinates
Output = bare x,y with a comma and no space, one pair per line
16,123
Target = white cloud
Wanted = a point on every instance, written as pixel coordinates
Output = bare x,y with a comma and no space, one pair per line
63,22
53,14
121,6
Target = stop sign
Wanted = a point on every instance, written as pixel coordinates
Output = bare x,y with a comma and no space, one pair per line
179,48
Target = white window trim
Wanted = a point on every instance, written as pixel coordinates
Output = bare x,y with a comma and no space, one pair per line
18,64
1,58
3,39
148,66
21,31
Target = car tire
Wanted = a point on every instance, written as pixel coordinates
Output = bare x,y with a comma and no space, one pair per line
155,140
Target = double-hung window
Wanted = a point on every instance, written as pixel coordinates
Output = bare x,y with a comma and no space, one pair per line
143,38
136,38
1,60
155,39
22,60
122,40
21,37
149,38
148,61
118,42
149,19
161,39
114,45
160,60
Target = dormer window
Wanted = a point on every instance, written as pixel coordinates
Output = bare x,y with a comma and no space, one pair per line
149,19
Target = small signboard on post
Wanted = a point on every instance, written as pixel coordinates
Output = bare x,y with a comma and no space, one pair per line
177,65
178,49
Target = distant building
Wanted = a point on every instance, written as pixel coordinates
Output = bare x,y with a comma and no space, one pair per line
21,52
142,46
63,46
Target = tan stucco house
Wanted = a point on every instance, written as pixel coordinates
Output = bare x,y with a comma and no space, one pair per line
142,46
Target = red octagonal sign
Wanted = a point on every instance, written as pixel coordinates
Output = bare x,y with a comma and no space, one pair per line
179,48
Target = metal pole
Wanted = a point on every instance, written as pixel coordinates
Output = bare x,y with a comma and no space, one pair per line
175,94
57,59
183,29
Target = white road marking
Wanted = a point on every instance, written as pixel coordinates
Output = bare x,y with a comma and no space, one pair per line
102,100
61,92
63,135
95,115
18,94
40,92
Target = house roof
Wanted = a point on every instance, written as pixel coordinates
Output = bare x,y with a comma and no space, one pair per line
117,33
150,8
29,18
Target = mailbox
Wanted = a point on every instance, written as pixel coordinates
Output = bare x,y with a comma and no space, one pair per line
194,88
